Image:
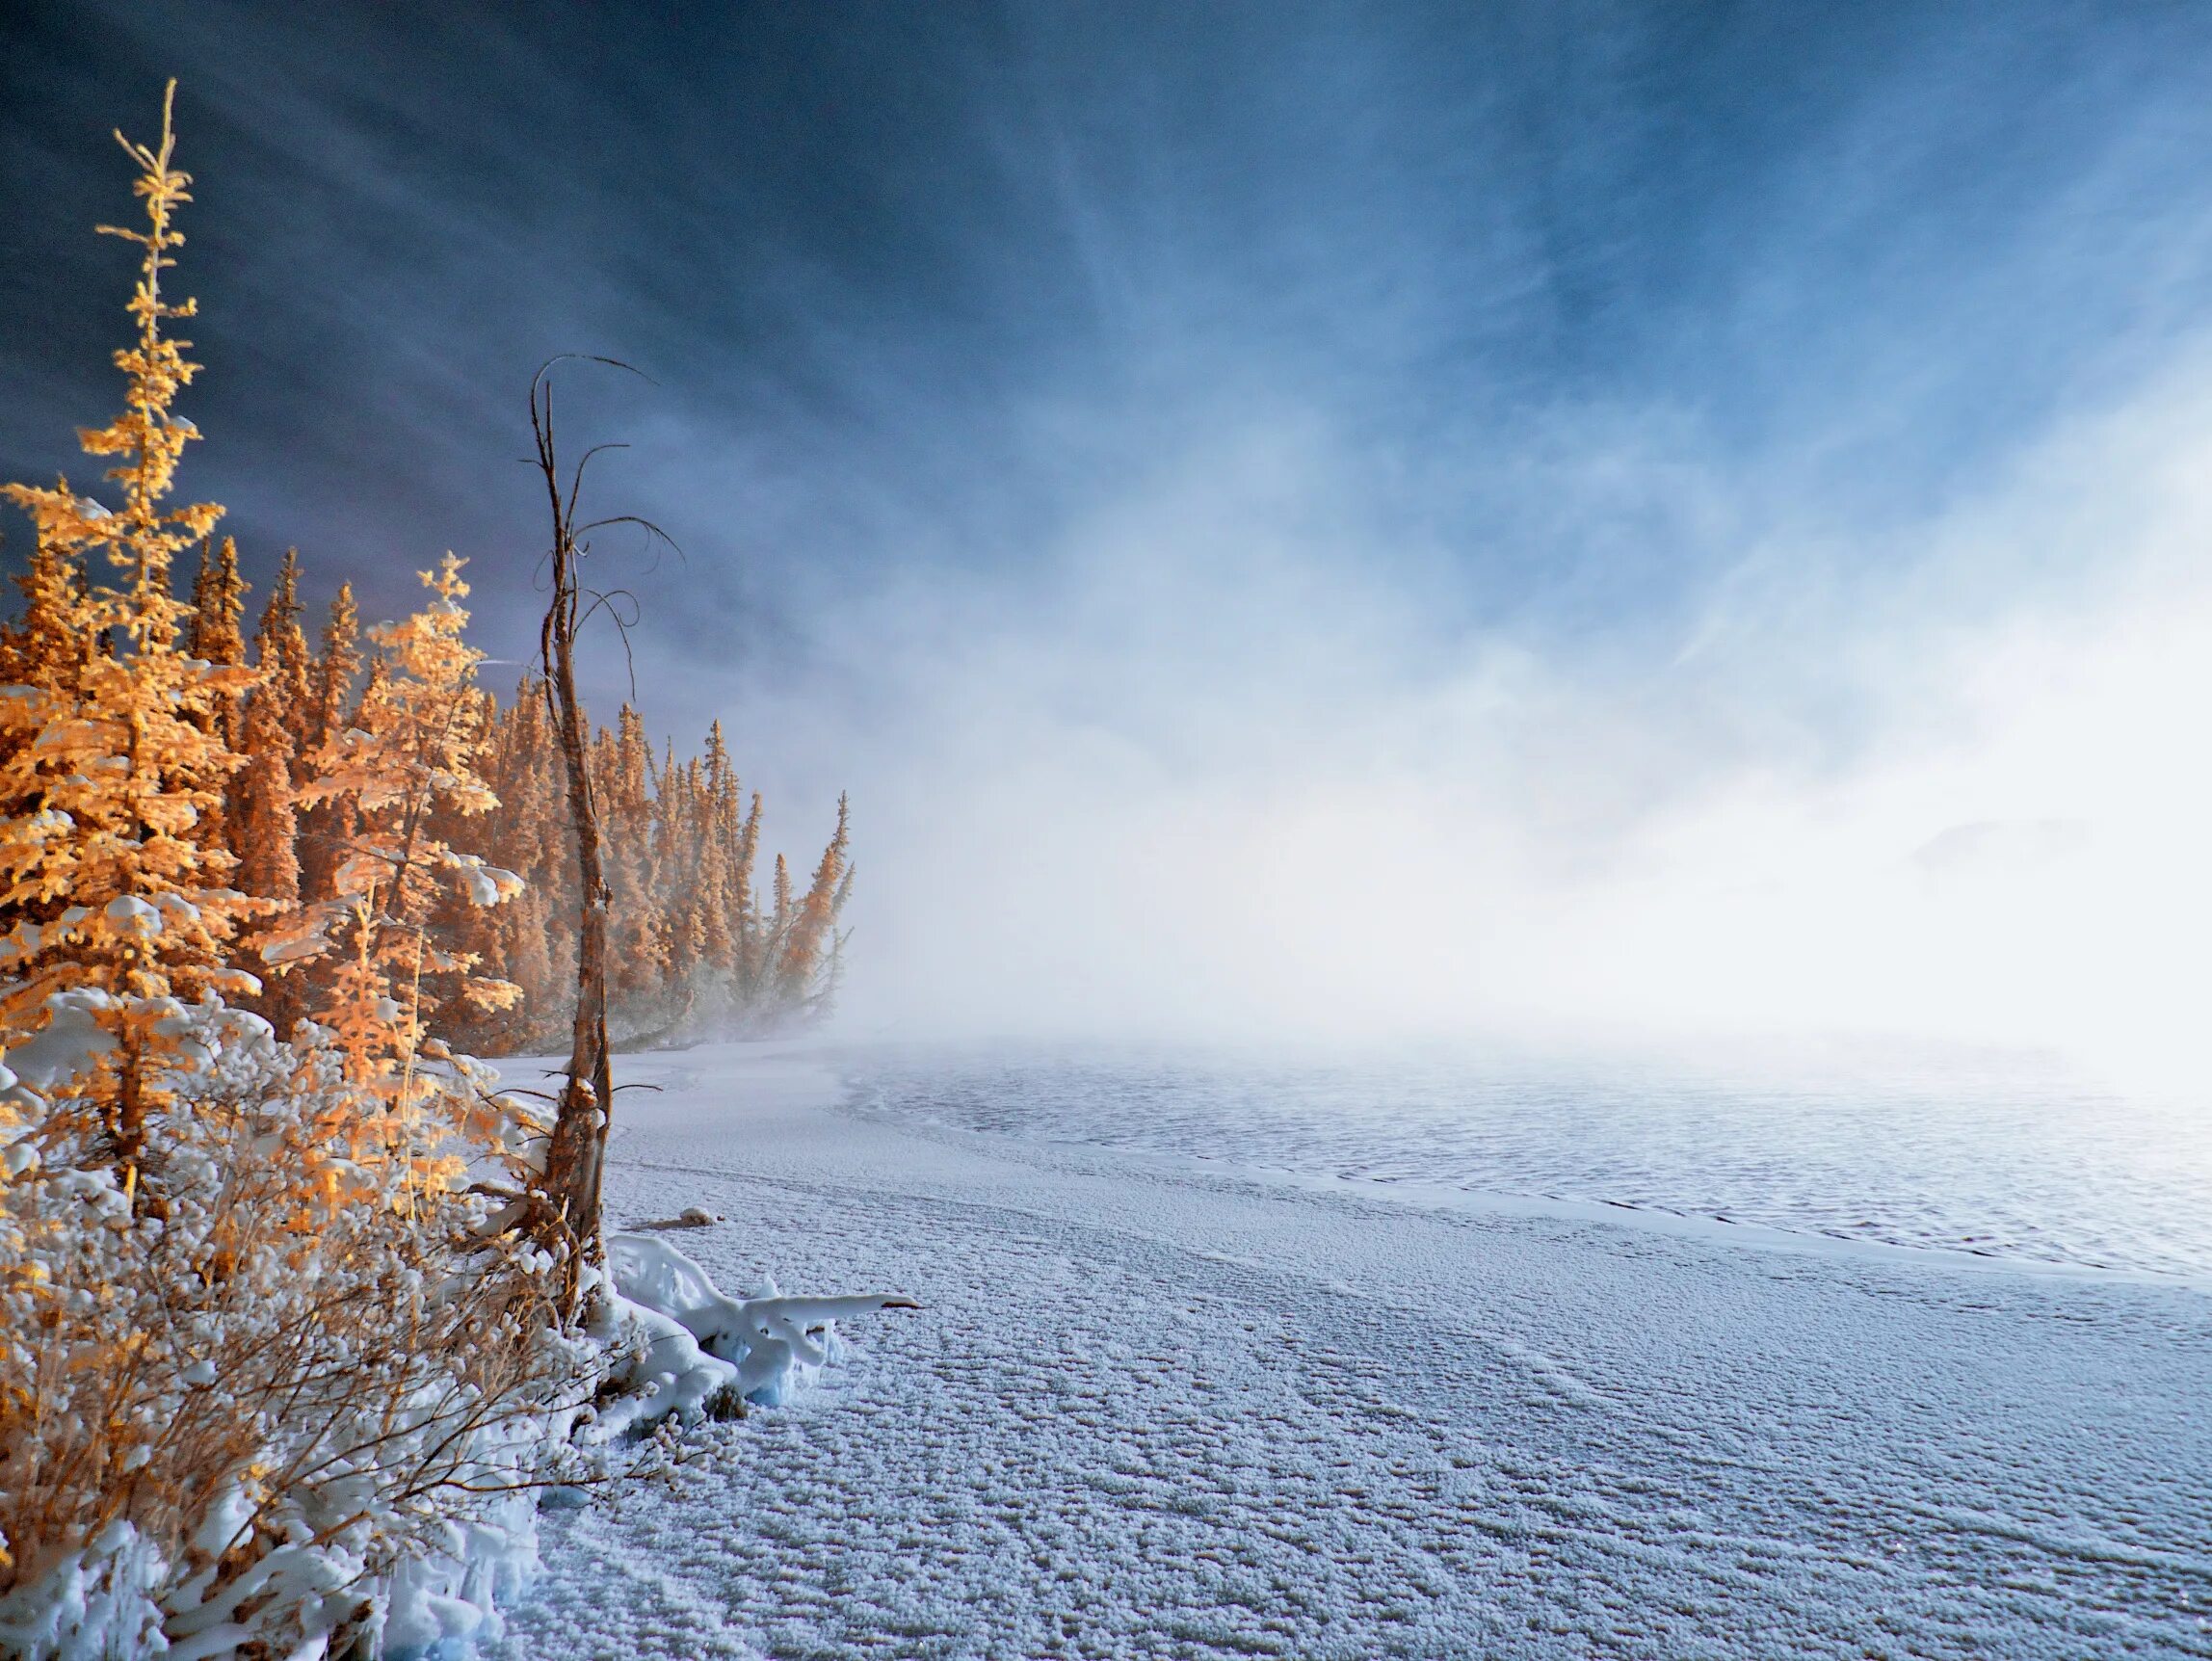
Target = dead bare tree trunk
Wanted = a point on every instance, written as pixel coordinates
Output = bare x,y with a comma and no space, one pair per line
567,1215
576,1159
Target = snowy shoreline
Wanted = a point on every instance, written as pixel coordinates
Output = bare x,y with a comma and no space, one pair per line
1158,1407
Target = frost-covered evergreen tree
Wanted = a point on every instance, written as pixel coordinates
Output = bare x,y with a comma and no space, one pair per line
406,767
116,751
697,950
219,604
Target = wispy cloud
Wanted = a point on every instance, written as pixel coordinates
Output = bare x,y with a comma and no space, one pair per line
1287,519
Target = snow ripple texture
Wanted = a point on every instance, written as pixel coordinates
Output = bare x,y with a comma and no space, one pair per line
2000,1156
1153,1410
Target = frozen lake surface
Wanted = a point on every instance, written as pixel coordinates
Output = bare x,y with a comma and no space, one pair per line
1157,1405
1999,1156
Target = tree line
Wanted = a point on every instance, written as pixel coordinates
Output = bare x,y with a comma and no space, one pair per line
698,945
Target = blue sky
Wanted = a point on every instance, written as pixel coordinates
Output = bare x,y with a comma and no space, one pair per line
1096,433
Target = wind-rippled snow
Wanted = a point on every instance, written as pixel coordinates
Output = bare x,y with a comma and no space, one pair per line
2002,1157
1157,1408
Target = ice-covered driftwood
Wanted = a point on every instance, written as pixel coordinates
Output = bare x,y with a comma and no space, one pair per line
690,1342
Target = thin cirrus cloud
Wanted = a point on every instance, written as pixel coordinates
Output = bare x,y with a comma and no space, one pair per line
1287,519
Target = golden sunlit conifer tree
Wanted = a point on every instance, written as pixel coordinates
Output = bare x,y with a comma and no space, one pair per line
696,951
281,648
405,766
337,668
112,896
809,956
219,604
38,648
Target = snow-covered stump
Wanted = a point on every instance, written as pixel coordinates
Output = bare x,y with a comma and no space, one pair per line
693,1344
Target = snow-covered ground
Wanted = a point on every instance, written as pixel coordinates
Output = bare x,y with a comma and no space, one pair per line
2003,1155
1155,1405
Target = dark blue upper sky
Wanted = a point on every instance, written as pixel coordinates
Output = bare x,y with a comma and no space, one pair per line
915,281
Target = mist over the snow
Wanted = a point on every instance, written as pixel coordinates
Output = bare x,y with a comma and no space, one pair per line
1560,524
1217,778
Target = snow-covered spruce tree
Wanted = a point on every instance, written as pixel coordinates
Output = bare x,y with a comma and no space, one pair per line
38,648
288,666
264,807
696,951
523,940
259,1355
622,762
809,958
325,713
213,633
337,666
217,631
376,960
114,904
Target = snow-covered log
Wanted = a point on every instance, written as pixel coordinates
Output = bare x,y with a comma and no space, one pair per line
764,1346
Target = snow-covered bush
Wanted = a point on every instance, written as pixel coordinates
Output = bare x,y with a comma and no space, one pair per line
250,1414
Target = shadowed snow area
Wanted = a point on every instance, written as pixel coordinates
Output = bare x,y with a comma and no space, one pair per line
1151,1407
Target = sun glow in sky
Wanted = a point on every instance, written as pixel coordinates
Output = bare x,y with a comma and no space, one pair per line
1552,519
